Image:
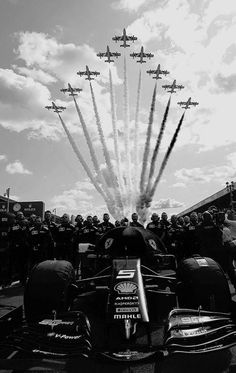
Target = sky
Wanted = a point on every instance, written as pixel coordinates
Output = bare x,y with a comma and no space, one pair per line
45,43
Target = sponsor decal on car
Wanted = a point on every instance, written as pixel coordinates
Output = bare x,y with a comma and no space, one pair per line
108,243
127,316
126,287
127,309
126,303
152,243
51,322
134,297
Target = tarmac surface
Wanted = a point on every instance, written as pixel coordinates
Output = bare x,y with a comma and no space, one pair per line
215,362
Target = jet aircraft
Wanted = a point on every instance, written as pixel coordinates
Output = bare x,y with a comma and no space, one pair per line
142,55
124,37
172,87
88,73
158,72
72,91
108,54
187,104
55,108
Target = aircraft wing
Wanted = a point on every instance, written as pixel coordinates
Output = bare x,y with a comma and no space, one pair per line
179,86
167,86
148,55
194,103
114,54
151,71
135,55
48,107
101,54
117,38
80,73
94,73
133,38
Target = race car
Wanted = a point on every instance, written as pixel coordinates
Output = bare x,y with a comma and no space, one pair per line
131,309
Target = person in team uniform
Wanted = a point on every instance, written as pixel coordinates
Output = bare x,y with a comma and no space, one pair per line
40,242
165,226
176,238
191,243
65,248
155,225
210,237
5,222
105,226
19,249
134,222
96,221
52,226
89,233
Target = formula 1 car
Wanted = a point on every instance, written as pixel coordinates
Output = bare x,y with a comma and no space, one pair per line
131,309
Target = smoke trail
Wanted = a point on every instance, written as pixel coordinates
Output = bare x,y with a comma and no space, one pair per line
158,143
166,158
148,138
81,159
115,136
136,132
126,134
92,151
104,146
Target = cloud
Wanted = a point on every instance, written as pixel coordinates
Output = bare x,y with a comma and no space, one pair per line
3,157
226,83
17,168
205,174
42,52
166,204
35,74
74,199
179,185
130,5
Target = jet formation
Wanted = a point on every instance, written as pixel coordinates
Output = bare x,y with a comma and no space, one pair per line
72,91
142,55
158,72
89,73
108,54
187,104
55,108
171,88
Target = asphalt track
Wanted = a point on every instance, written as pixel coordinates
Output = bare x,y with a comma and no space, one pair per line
215,362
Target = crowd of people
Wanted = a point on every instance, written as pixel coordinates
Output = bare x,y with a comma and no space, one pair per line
25,242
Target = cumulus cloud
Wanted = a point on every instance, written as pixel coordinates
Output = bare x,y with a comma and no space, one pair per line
35,74
75,198
17,168
3,157
43,52
200,38
205,174
130,5
166,204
